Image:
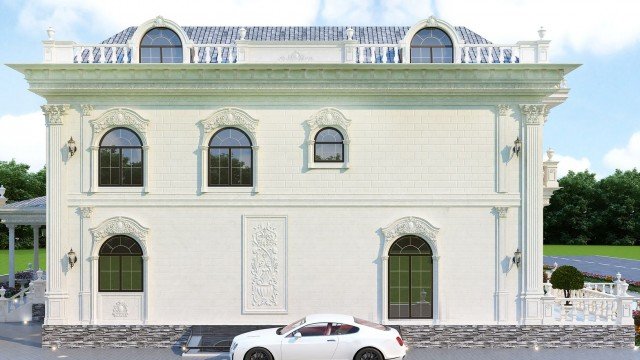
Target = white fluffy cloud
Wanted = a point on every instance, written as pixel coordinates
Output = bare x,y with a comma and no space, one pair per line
625,158
23,139
568,163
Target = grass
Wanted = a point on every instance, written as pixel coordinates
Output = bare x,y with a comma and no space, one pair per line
624,252
23,258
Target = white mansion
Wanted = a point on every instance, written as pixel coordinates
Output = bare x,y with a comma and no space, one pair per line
251,176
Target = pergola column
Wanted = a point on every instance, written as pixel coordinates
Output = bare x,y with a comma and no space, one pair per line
36,246
12,254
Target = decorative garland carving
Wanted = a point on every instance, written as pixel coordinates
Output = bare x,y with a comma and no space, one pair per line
328,117
295,57
229,117
120,117
120,310
54,113
503,109
534,114
119,226
410,225
264,266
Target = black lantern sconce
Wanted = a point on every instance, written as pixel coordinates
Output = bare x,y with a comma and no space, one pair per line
73,259
71,146
517,257
517,146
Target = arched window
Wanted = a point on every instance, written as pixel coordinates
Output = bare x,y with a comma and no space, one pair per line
120,265
120,162
160,45
431,45
329,146
230,158
410,279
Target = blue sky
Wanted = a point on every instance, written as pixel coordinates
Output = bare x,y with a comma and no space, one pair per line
597,128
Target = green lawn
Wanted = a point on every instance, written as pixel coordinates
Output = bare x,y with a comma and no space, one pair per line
624,252
23,258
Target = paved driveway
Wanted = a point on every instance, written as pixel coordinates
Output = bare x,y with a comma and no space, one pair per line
603,265
22,342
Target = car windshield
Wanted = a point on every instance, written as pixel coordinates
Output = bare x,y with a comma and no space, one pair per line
292,326
370,324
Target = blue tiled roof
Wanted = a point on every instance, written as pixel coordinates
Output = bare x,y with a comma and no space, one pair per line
363,34
35,203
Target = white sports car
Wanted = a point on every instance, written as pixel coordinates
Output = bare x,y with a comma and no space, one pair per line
321,337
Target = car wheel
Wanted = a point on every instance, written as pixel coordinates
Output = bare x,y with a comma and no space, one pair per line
258,354
369,354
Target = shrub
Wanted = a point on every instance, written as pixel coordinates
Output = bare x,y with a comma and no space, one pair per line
567,278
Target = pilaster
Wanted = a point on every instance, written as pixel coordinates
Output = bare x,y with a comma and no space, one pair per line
533,118
501,295
84,266
56,294
503,112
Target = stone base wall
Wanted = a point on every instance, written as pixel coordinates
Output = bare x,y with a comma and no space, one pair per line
515,336
114,336
37,313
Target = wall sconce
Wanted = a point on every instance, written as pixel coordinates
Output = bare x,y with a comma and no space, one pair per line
73,259
71,145
517,146
517,257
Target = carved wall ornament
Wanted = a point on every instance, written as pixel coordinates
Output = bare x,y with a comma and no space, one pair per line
229,117
120,226
158,21
264,266
504,109
328,117
432,21
120,117
54,113
501,211
534,114
294,57
120,310
85,211
87,109
410,225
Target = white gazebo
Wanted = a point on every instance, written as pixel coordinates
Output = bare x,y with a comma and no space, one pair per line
30,212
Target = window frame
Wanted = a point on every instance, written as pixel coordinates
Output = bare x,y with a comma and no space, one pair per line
141,255
120,168
431,47
315,145
229,152
161,47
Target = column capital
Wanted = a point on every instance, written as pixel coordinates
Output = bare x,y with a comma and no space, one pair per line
85,211
87,109
503,109
534,114
54,113
501,211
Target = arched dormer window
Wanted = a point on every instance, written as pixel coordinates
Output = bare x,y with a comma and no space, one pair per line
120,159
431,45
161,45
230,158
329,146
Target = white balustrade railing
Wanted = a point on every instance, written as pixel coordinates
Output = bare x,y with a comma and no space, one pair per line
102,53
489,54
14,309
214,53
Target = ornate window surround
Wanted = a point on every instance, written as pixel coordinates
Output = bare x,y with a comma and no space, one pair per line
219,119
327,117
410,225
159,21
110,119
431,22
118,226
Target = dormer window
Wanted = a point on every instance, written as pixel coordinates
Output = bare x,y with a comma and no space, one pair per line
431,45
161,45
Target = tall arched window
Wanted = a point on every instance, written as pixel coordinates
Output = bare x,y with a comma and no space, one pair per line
120,162
431,45
329,146
230,158
120,265
161,45
410,279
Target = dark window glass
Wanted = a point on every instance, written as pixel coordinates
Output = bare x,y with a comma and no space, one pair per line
410,279
230,159
343,329
431,45
120,265
160,45
329,146
317,329
120,159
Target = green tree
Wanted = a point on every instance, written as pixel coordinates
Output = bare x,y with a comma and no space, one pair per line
567,278
569,218
21,184
618,208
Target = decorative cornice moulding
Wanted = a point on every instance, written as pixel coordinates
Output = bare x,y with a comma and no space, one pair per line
119,117
54,113
229,117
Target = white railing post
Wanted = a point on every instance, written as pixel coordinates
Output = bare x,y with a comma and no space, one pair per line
207,54
219,55
396,55
385,55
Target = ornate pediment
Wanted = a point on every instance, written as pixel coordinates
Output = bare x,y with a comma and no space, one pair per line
229,117
410,225
328,117
120,117
119,226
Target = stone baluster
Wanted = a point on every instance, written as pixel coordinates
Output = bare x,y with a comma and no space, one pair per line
373,55
103,58
125,54
385,55
219,55
207,54
361,54
501,55
467,56
396,55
